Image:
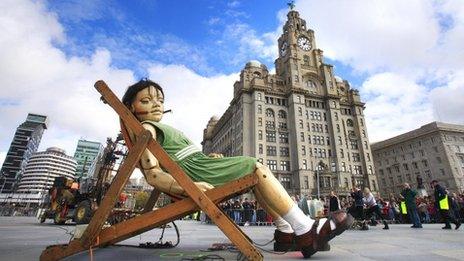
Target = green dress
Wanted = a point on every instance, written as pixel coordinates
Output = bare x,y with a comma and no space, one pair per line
198,166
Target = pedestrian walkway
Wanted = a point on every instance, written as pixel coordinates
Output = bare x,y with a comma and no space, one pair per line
22,238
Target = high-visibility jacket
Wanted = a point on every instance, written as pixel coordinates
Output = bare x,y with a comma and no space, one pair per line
443,203
403,208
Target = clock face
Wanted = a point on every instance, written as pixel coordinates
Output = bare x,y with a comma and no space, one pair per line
283,48
304,43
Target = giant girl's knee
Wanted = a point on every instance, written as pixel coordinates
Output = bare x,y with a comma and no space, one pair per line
262,170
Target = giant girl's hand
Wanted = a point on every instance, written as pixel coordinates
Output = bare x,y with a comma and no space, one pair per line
204,186
216,155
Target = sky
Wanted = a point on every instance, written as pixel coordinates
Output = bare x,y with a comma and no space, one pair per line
405,57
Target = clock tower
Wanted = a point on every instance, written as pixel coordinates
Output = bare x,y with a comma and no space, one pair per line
304,123
300,62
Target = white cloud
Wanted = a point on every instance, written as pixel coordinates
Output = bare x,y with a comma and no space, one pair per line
194,99
37,77
411,52
395,104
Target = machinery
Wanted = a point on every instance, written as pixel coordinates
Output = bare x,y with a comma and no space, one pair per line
77,200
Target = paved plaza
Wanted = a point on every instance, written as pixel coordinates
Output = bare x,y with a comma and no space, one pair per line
23,238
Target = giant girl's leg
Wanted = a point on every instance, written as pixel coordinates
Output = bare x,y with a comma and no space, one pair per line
272,192
280,223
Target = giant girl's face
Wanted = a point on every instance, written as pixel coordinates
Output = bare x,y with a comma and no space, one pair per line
148,104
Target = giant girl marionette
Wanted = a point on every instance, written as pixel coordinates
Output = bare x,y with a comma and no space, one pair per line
145,100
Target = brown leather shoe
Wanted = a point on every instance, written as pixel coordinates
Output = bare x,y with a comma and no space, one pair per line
306,242
342,221
285,242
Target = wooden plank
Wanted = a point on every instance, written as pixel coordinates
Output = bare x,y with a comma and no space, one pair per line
107,204
216,215
150,220
151,202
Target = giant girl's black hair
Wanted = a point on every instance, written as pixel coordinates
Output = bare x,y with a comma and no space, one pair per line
132,90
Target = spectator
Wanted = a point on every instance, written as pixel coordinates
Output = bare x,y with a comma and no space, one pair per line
409,197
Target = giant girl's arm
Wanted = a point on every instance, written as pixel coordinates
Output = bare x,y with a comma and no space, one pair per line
156,177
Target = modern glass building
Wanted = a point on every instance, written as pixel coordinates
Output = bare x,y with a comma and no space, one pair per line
25,143
87,154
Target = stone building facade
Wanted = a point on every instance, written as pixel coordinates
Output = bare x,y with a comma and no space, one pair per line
434,151
304,123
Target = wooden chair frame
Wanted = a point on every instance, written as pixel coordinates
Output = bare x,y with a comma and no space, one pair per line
95,236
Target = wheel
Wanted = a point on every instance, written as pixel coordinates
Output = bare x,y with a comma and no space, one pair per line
83,212
58,220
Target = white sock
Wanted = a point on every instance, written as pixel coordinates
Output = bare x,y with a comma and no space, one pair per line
298,220
322,222
282,225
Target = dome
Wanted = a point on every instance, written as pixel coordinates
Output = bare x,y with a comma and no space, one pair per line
253,63
338,79
214,118
56,150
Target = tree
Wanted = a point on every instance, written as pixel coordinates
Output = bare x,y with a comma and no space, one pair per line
141,198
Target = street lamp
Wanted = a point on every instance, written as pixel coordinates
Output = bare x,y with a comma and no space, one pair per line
319,168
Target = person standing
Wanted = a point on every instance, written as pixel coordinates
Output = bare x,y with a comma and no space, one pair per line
441,200
409,197
357,196
334,202
373,207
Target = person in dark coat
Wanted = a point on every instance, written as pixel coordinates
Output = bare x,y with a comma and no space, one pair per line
357,196
409,197
334,202
443,205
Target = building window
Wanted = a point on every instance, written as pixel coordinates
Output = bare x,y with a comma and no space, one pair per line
285,165
305,165
305,182
260,122
405,166
272,164
343,166
354,144
270,124
282,115
260,135
260,109
371,171
342,154
284,151
356,157
340,140
269,113
301,124
303,150
283,137
259,97
270,136
349,123
283,125
260,148
305,59
300,111
425,163
302,136
271,151
442,171
286,182
438,159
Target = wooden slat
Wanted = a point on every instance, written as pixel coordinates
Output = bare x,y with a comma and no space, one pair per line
111,196
150,220
151,202
216,215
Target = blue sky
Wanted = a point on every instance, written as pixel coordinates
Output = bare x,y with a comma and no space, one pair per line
135,32
405,57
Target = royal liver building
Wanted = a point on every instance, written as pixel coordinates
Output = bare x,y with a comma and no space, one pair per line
304,123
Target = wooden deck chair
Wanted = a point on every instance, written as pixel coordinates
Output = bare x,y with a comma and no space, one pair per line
94,236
